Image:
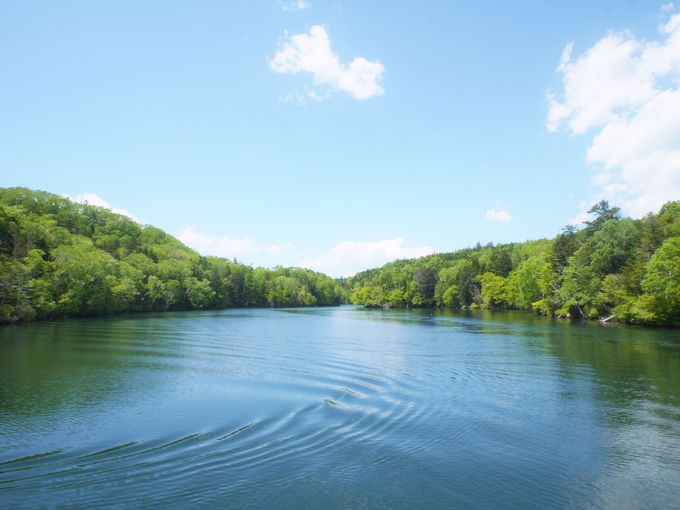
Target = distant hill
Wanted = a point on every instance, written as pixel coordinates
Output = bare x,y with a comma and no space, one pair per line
59,258
613,268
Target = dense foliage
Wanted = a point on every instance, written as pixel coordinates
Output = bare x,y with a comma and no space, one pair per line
59,258
613,267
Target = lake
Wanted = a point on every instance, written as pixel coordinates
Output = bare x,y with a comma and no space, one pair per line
338,408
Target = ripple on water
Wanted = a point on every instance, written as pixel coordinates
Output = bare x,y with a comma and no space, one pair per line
359,405
270,408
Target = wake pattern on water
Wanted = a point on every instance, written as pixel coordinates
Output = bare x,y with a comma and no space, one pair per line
343,406
333,409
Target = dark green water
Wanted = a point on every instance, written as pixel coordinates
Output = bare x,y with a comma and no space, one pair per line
338,408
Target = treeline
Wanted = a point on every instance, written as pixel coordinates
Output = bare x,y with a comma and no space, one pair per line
59,258
611,268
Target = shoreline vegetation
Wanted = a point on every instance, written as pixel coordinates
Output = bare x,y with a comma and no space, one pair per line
613,269
64,259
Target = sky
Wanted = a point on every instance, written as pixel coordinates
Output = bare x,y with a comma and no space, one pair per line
339,134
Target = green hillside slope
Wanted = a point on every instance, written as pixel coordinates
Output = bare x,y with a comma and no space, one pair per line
60,258
613,268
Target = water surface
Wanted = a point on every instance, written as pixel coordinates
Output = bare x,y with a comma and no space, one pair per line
338,408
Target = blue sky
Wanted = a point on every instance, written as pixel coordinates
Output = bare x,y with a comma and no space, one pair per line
249,130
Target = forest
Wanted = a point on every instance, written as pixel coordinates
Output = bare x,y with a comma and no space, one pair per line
611,269
59,258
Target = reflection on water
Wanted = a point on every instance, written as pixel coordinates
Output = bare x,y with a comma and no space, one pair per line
339,408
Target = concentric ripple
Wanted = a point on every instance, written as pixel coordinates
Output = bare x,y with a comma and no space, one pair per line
337,408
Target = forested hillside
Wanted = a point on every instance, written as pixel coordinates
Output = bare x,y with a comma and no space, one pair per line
60,258
612,268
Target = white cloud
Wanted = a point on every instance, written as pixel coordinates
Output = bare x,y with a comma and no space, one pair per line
494,214
350,257
277,249
229,247
299,99
583,215
294,5
295,98
626,92
312,53
219,246
94,199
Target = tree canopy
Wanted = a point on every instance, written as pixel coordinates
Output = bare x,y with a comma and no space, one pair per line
60,258
613,266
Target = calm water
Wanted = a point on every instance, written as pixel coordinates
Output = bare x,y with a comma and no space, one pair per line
338,408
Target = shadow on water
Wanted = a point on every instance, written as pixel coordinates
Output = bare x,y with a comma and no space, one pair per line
77,362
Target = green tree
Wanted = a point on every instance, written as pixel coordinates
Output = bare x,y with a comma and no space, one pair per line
529,283
564,246
613,245
602,213
662,281
198,292
495,293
